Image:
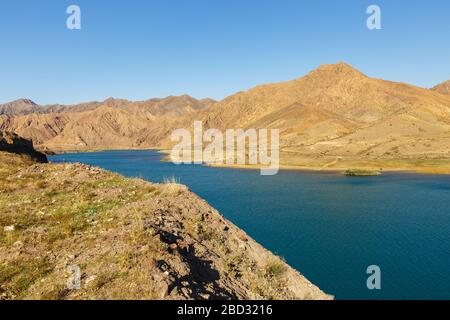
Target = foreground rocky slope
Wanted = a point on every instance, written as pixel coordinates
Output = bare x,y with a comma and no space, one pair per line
131,240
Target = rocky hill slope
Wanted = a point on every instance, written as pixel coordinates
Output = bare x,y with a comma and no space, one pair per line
12,143
129,239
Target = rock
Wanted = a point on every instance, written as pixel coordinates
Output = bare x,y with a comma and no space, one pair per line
12,143
163,290
18,244
9,228
90,279
186,292
183,245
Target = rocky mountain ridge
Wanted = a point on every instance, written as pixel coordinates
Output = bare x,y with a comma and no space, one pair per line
333,113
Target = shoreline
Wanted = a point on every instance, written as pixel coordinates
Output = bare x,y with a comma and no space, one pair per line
317,169
342,168
404,165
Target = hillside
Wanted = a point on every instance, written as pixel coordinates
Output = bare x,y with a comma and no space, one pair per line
131,240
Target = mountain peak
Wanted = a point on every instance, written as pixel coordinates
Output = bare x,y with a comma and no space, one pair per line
340,68
22,101
19,106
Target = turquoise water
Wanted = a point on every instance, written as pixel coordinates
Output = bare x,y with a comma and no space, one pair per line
328,226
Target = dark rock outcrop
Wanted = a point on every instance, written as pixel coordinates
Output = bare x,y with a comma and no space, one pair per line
12,143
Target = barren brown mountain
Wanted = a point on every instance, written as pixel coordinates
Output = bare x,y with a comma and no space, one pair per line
334,117
18,107
336,114
112,124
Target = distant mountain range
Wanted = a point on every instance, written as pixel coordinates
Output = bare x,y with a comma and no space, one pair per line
334,112
111,124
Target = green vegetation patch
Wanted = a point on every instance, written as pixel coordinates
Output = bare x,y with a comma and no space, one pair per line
361,173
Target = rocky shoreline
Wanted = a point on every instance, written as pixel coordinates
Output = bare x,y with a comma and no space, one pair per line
129,239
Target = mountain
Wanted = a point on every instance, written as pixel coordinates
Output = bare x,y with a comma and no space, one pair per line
443,88
111,124
338,112
18,107
335,116
128,238
26,107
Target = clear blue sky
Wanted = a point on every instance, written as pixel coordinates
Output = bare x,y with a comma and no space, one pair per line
138,49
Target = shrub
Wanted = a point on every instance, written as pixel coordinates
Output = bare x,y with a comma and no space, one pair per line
275,268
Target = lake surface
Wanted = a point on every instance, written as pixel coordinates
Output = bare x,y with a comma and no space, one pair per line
329,227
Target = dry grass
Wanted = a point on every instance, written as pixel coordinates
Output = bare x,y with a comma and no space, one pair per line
172,186
50,207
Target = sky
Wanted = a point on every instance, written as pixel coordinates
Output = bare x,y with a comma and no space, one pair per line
139,49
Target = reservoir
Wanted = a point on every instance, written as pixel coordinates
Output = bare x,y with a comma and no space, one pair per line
329,227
